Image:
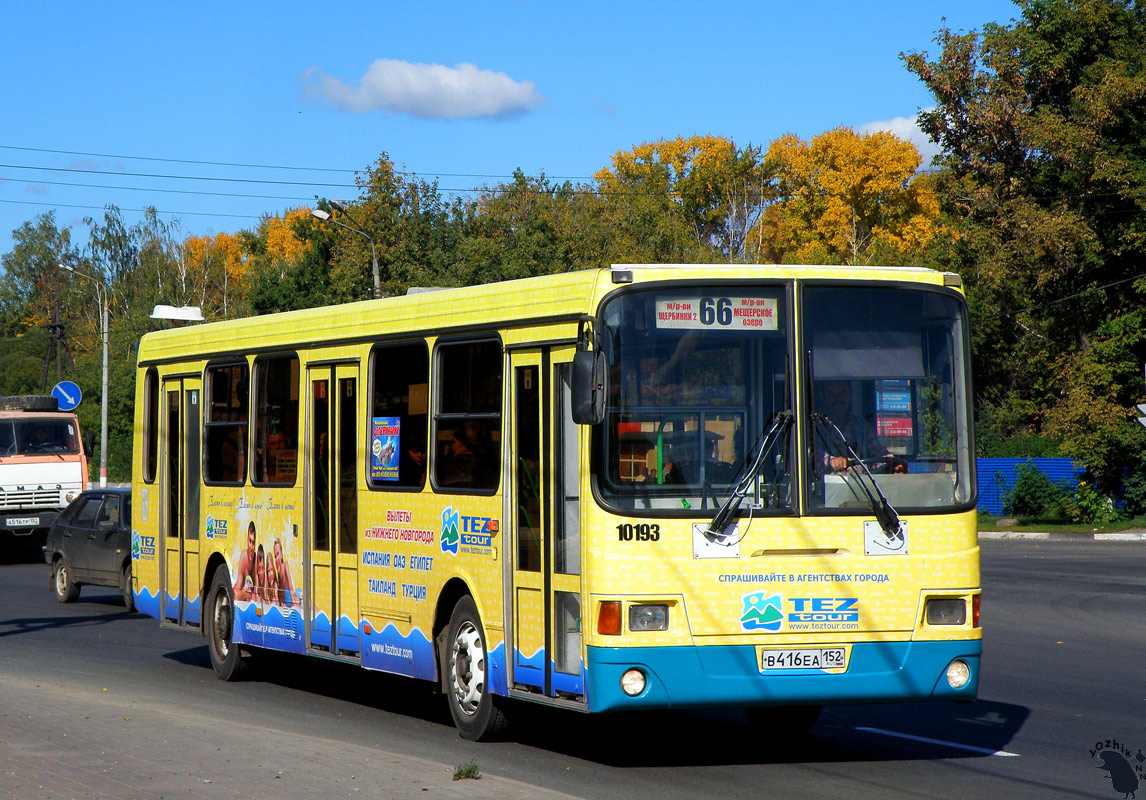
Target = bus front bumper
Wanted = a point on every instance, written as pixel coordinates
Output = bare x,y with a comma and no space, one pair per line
716,675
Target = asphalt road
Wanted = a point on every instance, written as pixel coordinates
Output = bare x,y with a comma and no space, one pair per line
95,702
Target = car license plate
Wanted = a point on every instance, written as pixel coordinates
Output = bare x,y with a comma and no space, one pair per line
811,658
23,522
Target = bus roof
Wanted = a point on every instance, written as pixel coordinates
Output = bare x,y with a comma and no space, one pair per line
566,296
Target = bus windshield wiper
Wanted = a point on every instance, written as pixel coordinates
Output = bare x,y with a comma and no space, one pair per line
744,482
835,440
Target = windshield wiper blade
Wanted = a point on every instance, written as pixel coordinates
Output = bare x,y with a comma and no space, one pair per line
744,481
887,516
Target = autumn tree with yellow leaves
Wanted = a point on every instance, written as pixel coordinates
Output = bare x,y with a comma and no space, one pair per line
844,198
705,183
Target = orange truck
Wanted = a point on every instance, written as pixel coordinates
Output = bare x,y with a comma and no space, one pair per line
43,467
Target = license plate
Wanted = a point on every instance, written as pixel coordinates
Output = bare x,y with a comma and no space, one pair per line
811,658
23,522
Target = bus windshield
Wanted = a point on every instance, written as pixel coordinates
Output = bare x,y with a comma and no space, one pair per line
695,376
889,390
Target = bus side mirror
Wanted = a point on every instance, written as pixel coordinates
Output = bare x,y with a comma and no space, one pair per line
588,387
89,443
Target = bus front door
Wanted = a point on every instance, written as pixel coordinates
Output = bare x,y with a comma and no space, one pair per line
545,526
179,489
332,466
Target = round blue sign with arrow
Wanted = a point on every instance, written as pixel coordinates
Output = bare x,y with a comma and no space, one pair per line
67,394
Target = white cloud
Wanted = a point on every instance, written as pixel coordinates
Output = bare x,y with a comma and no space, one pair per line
905,128
426,91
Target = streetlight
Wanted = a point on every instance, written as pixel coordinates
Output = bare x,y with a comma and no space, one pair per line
102,292
318,213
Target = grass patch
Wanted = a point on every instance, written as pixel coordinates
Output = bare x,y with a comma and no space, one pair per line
1058,525
467,772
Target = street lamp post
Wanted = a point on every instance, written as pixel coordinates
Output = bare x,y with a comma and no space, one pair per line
318,213
102,292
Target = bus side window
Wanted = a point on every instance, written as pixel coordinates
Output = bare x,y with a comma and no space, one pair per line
226,424
467,419
398,415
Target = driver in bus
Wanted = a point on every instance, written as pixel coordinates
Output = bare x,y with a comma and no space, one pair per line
834,400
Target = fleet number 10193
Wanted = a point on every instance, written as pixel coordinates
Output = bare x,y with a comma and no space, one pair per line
641,532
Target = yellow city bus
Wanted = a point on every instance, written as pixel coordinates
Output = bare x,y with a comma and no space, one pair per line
639,487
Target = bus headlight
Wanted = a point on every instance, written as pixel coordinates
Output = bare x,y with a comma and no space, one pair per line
946,611
633,682
651,617
71,495
958,673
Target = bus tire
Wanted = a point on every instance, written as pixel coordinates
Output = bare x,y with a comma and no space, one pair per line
127,589
67,590
779,721
472,705
219,621
29,402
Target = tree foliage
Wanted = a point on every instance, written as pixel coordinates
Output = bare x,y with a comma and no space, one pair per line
845,198
1043,128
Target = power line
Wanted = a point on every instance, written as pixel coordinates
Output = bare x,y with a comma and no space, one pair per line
175,177
134,210
165,191
270,166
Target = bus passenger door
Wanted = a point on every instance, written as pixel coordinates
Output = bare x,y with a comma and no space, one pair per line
179,488
545,525
332,465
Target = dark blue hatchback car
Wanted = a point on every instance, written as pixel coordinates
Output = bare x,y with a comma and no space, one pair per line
90,543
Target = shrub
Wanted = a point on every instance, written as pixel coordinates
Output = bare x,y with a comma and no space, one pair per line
1034,494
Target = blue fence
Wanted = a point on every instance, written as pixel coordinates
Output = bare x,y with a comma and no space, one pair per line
997,477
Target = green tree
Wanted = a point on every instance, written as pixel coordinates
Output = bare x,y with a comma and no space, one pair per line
1043,129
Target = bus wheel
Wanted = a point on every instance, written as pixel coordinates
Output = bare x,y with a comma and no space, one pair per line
778,721
126,588
66,589
472,705
219,622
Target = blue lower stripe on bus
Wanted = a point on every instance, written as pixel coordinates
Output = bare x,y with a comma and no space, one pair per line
682,677
146,602
191,612
388,650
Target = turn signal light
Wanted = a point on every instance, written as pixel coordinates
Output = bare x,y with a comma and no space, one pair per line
975,611
609,618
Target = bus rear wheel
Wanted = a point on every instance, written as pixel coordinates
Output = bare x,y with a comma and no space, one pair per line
226,657
472,705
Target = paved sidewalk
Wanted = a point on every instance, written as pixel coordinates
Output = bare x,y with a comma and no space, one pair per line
1131,535
94,744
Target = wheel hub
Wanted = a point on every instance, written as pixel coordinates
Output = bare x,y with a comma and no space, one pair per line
467,668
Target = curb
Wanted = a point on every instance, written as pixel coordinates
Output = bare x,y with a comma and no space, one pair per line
1125,536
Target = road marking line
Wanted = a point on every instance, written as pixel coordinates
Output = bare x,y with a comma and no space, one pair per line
984,750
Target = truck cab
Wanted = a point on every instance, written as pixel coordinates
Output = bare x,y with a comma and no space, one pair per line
43,467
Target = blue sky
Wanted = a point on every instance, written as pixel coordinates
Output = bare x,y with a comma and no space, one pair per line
99,95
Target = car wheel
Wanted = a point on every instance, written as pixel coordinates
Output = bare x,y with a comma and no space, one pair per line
66,589
226,657
476,713
127,589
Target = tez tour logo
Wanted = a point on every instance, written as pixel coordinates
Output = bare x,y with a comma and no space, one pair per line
450,533
762,612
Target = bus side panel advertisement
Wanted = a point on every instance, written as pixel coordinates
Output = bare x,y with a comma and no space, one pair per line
267,571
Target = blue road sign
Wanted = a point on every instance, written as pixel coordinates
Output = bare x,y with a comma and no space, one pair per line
67,394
